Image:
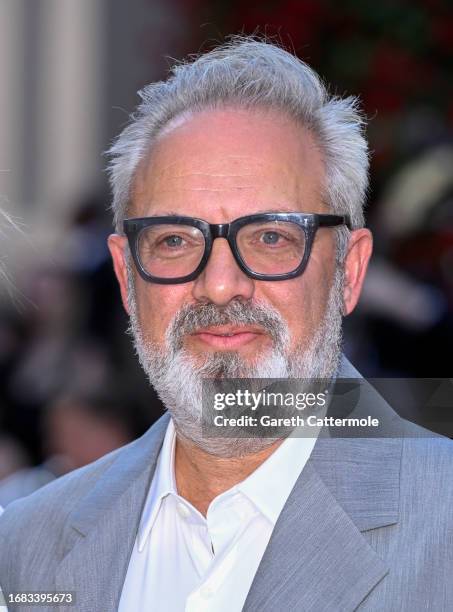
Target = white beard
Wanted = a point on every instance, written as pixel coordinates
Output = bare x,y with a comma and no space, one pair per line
178,379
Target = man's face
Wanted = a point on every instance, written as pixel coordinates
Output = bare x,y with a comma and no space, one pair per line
218,166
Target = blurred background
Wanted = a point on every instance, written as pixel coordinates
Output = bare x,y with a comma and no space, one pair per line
70,386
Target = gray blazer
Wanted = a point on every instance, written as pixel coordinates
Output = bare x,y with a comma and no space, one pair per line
368,526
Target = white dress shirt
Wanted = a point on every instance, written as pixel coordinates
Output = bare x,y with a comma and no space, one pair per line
182,561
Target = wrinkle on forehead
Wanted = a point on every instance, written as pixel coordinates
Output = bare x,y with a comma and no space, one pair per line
241,166
182,181
230,156
183,173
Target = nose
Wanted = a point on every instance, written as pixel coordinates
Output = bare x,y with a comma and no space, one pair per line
222,280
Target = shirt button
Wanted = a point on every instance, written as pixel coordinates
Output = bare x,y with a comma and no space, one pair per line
206,592
183,511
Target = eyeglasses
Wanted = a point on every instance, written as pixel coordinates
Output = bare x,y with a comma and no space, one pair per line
267,246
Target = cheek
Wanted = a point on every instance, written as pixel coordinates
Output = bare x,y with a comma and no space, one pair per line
157,305
301,302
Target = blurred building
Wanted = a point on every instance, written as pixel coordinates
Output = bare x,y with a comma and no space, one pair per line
70,70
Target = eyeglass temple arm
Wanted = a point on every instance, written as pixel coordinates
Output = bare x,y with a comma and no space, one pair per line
333,220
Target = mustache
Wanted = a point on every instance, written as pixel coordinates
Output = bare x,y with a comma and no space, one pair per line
192,317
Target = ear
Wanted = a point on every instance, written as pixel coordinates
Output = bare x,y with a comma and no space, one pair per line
356,263
117,245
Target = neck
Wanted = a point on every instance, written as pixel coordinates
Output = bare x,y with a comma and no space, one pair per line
200,477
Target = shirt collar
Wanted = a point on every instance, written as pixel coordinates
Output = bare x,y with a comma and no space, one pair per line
269,486
163,483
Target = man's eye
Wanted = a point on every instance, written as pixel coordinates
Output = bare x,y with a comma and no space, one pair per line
173,241
270,237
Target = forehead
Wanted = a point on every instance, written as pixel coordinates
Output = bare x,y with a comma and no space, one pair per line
230,162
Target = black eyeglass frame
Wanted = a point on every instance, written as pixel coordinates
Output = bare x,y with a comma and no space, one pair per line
309,222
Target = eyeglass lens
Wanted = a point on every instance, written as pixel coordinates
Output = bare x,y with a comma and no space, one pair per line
271,247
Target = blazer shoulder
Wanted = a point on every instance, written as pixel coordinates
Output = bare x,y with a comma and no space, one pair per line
37,527
55,501
424,452
427,465
34,524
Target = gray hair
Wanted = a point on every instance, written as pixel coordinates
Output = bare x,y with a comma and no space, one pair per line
250,73
7,224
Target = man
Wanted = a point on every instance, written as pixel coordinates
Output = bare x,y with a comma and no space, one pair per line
239,177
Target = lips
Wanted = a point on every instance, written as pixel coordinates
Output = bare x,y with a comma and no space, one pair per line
228,330
227,336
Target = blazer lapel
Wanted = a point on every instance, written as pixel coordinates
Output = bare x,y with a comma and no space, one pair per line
316,559
102,529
